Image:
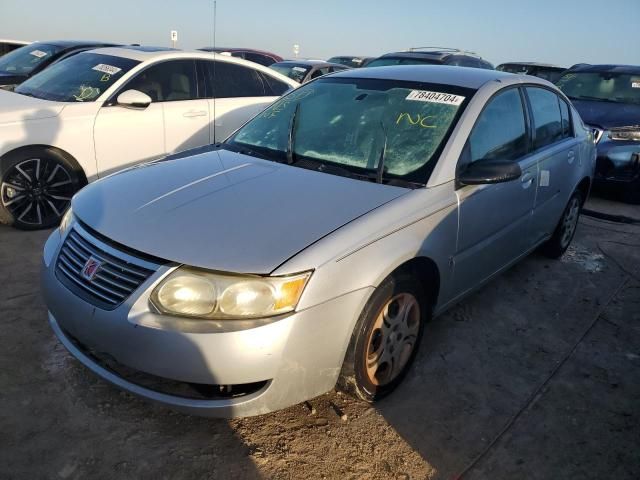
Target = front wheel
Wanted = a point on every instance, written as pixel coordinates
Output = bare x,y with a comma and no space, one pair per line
386,338
566,229
36,190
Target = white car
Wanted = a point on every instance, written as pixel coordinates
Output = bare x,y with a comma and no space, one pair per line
103,110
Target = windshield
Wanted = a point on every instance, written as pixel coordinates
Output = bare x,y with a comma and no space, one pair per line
291,70
24,60
353,123
81,78
386,61
353,62
601,86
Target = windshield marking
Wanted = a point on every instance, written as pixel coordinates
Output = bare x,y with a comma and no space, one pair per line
39,53
419,120
434,97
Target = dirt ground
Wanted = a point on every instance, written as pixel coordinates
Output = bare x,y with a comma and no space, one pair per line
536,376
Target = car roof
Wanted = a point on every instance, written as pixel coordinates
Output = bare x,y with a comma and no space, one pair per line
444,74
532,64
237,49
431,55
628,69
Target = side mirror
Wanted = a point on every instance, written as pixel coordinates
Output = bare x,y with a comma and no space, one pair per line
134,99
489,171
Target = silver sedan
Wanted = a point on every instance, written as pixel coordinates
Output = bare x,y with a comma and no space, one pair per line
311,247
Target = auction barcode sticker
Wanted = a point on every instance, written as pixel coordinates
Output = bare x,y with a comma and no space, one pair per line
111,70
39,53
435,97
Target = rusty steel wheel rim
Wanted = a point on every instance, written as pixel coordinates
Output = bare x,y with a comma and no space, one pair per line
392,339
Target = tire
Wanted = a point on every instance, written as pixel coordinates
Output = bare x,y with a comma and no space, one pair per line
566,228
377,359
36,188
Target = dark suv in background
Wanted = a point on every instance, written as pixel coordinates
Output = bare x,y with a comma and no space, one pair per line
608,100
551,73
432,56
24,62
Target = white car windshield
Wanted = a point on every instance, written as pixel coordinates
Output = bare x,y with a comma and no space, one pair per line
369,127
81,78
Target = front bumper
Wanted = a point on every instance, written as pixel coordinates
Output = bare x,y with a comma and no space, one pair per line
291,359
618,163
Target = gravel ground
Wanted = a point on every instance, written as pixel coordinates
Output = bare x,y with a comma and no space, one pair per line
535,376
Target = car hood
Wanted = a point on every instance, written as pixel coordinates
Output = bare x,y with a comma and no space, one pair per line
224,211
608,114
15,107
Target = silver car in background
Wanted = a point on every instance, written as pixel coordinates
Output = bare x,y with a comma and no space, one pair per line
312,246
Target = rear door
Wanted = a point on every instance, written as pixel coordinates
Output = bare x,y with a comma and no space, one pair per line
495,220
237,93
555,149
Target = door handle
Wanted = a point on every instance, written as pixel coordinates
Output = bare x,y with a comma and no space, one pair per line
570,156
194,113
526,180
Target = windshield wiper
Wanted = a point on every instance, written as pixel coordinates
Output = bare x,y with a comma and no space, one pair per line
380,169
292,129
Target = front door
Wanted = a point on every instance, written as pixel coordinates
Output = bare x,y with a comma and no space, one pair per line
495,219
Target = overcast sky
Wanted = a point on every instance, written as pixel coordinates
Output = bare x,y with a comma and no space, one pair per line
555,31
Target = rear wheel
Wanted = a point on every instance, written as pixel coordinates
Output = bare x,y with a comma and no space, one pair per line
36,190
566,229
386,338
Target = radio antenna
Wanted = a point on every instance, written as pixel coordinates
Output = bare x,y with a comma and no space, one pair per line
215,61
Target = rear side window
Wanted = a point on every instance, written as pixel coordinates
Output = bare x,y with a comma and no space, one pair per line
547,122
170,81
500,132
231,80
276,87
567,131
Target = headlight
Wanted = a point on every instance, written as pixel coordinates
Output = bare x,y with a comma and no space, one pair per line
67,220
191,292
625,133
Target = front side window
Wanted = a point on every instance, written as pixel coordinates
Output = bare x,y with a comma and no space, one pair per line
547,122
356,124
500,132
24,60
170,81
80,78
601,87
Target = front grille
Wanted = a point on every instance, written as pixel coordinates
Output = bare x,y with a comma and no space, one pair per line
114,281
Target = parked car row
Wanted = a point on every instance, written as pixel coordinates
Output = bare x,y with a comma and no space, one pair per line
102,110
278,235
